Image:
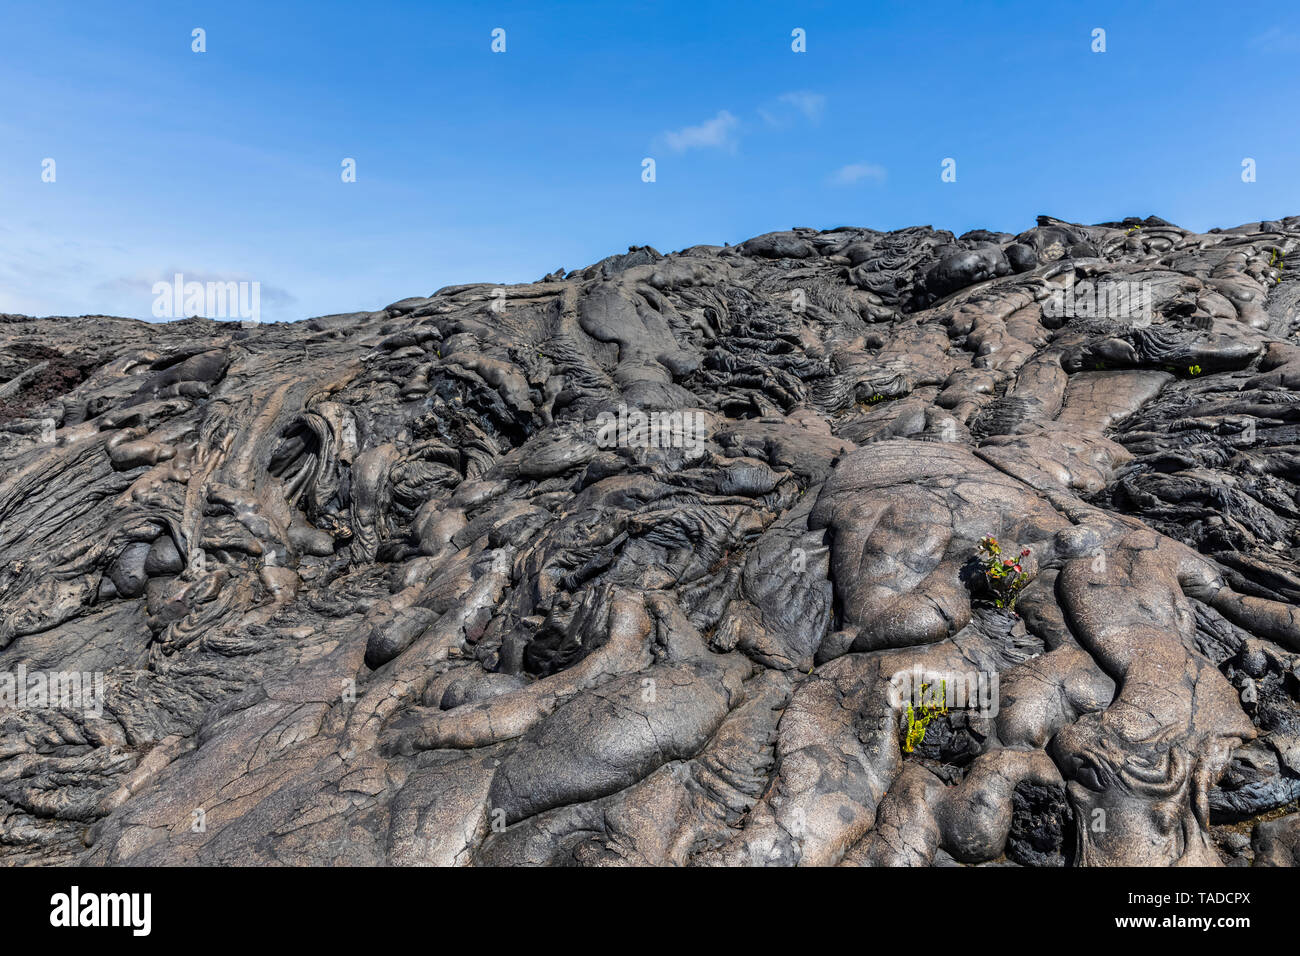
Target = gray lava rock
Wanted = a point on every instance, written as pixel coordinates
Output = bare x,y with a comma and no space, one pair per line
641,563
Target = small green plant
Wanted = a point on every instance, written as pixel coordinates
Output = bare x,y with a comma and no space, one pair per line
1193,370
919,719
1004,577
1279,260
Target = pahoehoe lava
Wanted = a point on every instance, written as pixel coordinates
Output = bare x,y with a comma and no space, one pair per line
386,587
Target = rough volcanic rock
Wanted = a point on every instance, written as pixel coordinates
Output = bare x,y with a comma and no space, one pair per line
645,563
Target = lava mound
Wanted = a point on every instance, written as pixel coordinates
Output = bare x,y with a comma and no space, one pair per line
843,547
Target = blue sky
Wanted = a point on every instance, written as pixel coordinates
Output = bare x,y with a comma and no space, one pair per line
478,166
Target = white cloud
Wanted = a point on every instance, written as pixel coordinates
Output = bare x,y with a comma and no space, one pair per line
789,108
717,133
811,105
137,288
856,173
1277,40
48,275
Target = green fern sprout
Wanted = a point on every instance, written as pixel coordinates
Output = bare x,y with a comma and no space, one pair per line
917,723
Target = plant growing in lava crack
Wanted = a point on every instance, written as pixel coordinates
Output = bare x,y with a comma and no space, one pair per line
918,719
1004,577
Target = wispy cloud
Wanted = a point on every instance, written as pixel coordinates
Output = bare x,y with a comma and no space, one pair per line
857,172
788,108
811,105
723,130
717,133
1277,40
139,286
